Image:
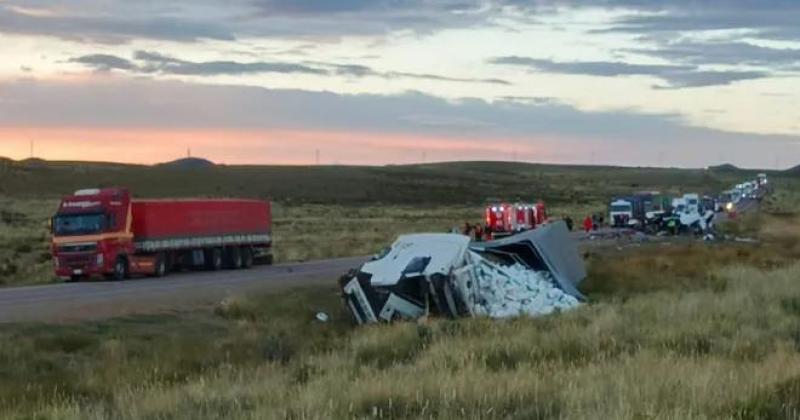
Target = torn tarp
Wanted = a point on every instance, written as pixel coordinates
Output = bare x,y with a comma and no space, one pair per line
533,273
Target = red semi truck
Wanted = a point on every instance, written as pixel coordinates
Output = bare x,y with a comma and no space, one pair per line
106,233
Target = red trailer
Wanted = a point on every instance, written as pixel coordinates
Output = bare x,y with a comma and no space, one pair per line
106,233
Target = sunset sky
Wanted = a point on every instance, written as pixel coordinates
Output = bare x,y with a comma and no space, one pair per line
634,82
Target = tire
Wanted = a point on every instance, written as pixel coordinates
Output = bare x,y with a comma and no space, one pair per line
233,257
213,259
161,266
121,270
247,257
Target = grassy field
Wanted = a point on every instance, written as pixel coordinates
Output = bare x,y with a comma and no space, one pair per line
463,183
323,212
674,332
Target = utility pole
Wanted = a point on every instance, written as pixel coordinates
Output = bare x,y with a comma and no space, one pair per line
188,153
316,157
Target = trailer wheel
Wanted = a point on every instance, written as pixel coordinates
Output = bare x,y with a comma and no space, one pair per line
214,259
247,257
234,258
121,270
161,266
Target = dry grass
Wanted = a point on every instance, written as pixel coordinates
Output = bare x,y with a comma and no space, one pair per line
24,247
650,345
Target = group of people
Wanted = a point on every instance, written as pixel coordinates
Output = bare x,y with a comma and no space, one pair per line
590,223
593,222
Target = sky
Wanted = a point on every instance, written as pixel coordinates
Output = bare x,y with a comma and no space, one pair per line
687,83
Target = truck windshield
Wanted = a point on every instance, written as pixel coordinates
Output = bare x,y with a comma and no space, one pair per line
621,209
79,224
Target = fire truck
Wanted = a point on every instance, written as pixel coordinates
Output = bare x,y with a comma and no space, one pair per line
505,219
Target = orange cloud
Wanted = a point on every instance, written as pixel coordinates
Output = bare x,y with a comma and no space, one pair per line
289,147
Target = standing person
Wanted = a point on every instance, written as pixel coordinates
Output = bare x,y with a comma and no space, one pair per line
467,229
594,221
587,224
569,222
478,232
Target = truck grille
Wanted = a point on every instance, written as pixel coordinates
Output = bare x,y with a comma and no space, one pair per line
77,248
77,261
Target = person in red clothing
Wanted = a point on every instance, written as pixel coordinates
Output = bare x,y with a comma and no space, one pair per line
588,224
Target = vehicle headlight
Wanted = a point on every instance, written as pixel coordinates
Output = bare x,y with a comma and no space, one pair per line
100,259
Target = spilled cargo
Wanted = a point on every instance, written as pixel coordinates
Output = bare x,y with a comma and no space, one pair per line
530,274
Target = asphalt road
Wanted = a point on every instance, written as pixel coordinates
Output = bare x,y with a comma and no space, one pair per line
101,299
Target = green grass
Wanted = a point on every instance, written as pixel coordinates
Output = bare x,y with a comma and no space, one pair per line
462,183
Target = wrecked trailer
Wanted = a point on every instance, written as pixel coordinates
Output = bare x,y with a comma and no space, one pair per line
533,273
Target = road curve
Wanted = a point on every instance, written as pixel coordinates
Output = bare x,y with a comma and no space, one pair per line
67,302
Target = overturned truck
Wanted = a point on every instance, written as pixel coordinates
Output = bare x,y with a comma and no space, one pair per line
533,273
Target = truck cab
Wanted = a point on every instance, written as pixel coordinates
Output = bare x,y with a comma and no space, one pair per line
692,203
620,212
91,233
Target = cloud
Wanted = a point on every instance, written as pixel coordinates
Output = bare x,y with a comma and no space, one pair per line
121,21
148,62
104,62
116,21
690,79
159,63
113,102
119,102
592,68
770,19
677,76
114,27
726,53
358,70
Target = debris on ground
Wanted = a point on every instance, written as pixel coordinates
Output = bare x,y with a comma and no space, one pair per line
530,274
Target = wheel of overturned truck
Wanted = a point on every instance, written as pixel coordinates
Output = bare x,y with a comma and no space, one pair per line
233,258
247,257
213,259
121,269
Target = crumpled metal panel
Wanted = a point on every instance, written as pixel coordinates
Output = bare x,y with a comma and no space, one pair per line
547,248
